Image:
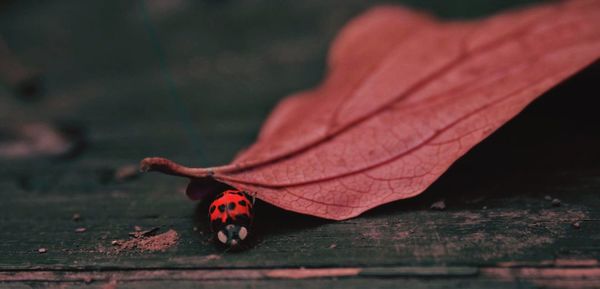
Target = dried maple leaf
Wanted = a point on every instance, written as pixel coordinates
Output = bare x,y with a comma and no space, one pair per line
406,95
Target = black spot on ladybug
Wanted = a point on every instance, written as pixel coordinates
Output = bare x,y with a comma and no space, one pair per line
222,208
212,208
238,193
231,206
242,203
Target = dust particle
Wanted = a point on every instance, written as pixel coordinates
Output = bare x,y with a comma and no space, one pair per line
76,217
42,250
576,225
555,202
126,173
332,246
80,230
439,205
212,257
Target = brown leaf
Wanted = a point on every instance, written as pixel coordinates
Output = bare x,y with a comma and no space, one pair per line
405,96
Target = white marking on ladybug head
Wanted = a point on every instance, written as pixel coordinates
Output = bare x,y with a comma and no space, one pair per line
222,237
243,233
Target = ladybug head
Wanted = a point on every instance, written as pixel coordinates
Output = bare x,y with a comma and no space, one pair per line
232,235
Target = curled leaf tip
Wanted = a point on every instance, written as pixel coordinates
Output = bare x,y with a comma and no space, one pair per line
158,164
150,164
166,166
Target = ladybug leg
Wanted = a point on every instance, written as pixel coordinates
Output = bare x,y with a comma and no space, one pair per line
253,195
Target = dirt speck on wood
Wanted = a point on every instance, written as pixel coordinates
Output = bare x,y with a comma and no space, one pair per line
439,205
212,257
126,173
138,233
555,202
160,242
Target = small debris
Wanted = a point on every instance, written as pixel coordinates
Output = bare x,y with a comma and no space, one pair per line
139,233
76,217
195,229
555,202
484,208
126,173
212,257
439,205
145,242
80,230
42,250
548,198
114,242
576,224
332,246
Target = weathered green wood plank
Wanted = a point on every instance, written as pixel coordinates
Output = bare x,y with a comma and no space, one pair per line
379,277
515,228
350,283
518,224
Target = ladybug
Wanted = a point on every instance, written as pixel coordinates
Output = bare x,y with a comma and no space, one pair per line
231,216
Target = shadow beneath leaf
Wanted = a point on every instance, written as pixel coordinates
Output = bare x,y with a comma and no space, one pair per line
546,150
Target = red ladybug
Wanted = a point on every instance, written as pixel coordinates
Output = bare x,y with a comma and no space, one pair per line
231,216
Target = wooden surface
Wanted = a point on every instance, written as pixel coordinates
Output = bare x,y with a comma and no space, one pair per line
193,82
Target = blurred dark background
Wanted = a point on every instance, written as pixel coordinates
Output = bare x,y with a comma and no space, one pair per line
201,75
